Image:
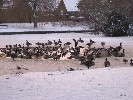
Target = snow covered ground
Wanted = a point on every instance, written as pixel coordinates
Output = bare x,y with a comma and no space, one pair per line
93,84
22,27
114,83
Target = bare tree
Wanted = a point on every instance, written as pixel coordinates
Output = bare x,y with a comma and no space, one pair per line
19,12
46,5
33,4
1,5
40,6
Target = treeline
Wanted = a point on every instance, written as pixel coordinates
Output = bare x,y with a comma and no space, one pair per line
25,10
112,17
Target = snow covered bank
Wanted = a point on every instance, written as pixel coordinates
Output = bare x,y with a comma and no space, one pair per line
92,84
22,27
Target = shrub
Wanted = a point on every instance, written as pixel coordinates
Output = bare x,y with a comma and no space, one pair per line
116,25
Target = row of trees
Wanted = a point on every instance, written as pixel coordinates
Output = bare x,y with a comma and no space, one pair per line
31,8
110,16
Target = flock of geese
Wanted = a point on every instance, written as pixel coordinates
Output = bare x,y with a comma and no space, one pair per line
56,50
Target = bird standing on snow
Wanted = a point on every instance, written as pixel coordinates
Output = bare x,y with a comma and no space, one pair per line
125,61
106,63
18,68
122,54
14,55
103,43
131,63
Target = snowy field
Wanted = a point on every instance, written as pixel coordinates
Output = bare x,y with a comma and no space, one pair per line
98,84
127,42
23,27
113,83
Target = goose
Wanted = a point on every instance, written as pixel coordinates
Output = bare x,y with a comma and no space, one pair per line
74,40
2,53
15,45
28,43
92,41
89,63
10,46
18,68
56,57
106,63
46,56
49,42
91,56
19,46
131,62
37,54
59,41
6,46
67,43
121,44
56,43
82,59
89,44
13,55
122,54
38,43
76,43
103,43
71,69
116,52
43,45
98,54
80,40
125,61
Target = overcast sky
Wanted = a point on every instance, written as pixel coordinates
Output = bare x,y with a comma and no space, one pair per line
71,5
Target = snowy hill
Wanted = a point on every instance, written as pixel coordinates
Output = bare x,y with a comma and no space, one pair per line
92,84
